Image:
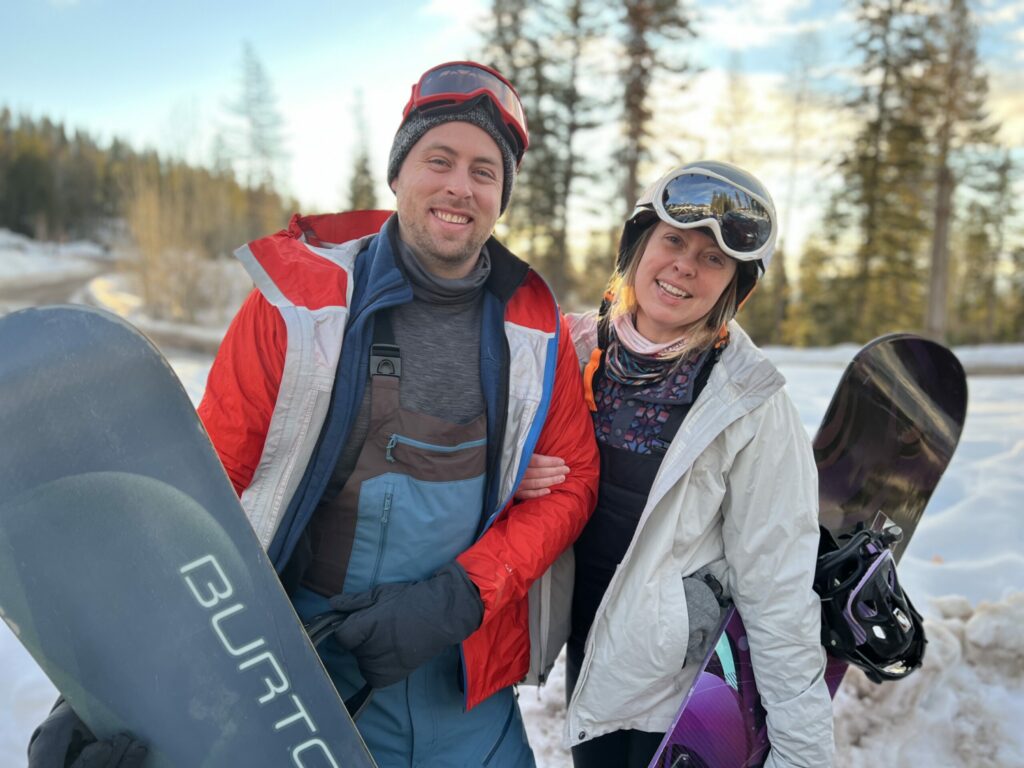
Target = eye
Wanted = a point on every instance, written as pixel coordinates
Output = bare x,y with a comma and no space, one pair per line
487,173
438,161
715,258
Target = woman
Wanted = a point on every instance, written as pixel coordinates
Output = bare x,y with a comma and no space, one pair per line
708,485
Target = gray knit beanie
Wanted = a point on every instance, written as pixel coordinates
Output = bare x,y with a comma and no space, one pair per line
418,123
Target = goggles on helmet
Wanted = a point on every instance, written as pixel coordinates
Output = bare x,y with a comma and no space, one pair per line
457,82
742,221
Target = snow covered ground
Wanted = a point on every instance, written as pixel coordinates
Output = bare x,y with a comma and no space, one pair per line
964,568
23,259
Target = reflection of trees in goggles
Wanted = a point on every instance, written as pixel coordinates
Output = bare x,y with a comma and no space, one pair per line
744,222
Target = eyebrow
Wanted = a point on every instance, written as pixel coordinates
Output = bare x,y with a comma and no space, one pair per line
438,146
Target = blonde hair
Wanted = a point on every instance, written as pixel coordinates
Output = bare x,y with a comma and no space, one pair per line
700,334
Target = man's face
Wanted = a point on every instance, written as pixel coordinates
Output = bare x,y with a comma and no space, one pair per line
448,194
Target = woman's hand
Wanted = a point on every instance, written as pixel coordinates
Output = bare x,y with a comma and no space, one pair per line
541,473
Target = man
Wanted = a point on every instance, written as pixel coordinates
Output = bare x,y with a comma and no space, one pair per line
375,404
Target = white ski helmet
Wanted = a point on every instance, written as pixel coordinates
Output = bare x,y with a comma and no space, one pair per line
730,203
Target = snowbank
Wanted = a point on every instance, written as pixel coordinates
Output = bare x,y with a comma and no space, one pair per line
977,359
959,709
24,261
225,286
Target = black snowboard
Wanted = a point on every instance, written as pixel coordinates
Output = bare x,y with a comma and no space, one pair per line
887,437
128,568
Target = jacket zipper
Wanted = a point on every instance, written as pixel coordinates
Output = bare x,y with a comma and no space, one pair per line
502,735
383,540
396,439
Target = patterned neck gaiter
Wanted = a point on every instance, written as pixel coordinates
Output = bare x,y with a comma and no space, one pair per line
632,360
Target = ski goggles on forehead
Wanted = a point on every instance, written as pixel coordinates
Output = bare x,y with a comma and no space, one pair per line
460,81
740,219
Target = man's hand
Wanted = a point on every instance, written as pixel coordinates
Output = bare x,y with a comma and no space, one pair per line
64,741
541,474
394,629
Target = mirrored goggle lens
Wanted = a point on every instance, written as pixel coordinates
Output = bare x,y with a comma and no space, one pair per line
745,223
466,80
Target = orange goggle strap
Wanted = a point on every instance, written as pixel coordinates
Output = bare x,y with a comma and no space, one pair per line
588,378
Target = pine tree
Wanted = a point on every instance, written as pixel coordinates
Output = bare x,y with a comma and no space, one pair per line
545,57
960,89
802,95
30,184
986,279
1013,323
887,180
653,33
505,47
732,115
812,319
362,194
1003,208
258,146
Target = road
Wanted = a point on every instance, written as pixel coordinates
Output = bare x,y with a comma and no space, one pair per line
21,294
61,289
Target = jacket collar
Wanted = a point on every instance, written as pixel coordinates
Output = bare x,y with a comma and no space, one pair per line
508,271
740,381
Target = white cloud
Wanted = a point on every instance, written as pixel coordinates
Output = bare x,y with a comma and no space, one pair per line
996,12
1006,103
462,19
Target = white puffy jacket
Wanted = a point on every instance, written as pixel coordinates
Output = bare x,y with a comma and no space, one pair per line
736,491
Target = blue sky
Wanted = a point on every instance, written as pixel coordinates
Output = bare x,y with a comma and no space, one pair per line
161,73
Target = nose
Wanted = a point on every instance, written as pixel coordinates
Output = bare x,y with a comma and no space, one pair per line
459,183
686,262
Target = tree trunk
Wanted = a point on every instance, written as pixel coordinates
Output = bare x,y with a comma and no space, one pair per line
938,282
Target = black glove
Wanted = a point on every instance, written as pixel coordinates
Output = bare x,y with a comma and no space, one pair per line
704,610
395,628
64,741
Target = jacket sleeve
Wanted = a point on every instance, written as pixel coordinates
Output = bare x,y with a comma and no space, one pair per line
770,533
242,388
530,535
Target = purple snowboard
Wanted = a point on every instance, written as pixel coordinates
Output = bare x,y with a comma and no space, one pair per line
887,437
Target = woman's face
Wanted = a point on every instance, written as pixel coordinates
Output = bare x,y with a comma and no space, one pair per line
681,274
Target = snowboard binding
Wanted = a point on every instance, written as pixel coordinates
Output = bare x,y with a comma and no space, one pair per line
866,617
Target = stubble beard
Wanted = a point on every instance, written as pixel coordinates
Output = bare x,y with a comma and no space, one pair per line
438,260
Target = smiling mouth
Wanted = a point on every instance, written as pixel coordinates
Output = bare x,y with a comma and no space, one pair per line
451,218
671,290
